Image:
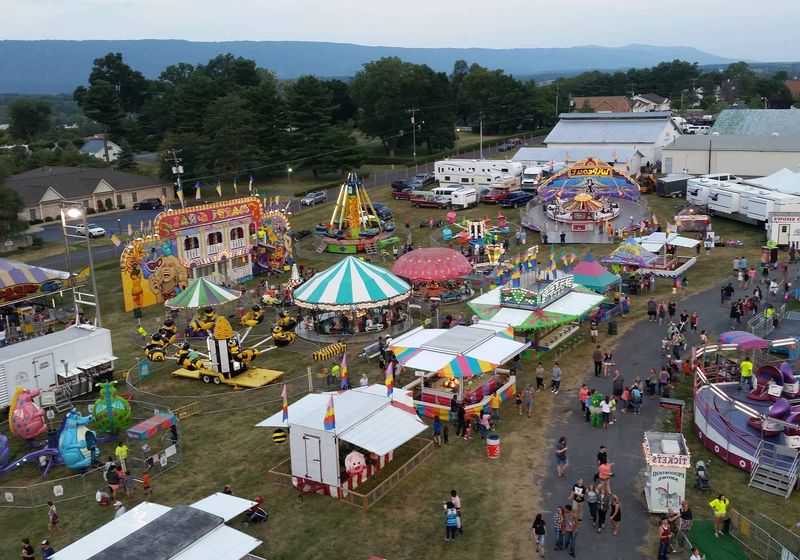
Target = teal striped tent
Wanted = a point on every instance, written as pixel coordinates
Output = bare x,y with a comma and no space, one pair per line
202,293
351,283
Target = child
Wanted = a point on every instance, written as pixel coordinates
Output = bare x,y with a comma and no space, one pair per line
127,484
437,432
666,346
587,404
468,432
146,483
518,401
703,338
613,403
446,434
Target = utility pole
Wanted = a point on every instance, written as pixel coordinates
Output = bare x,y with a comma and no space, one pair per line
556,99
480,119
177,168
413,131
694,93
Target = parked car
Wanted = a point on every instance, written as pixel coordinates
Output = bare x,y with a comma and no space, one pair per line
314,197
426,178
483,192
495,195
148,204
505,147
400,185
94,230
416,184
422,201
514,141
383,211
515,199
404,194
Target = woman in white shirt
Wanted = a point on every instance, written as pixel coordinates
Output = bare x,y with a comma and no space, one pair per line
695,554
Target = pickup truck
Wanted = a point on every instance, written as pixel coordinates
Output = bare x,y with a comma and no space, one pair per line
515,199
426,178
403,194
423,201
495,195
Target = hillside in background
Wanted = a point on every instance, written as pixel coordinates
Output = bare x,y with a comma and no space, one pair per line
61,66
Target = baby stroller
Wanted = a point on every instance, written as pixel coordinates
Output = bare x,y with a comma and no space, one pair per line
701,478
255,514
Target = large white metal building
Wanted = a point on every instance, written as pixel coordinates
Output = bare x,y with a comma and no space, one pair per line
749,156
646,133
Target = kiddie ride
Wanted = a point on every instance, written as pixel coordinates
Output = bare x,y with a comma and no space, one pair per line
354,223
475,232
73,444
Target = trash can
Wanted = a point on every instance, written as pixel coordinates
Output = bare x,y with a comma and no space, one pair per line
612,327
493,446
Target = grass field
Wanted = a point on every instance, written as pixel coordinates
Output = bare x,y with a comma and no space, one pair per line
500,497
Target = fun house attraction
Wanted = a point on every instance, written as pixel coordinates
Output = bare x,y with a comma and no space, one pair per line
354,224
586,201
232,240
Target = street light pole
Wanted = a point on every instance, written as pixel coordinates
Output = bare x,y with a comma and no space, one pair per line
289,174
413,132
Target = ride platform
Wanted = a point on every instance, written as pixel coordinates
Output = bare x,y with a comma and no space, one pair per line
248,379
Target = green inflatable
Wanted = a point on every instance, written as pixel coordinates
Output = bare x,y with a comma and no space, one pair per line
596,417
111,413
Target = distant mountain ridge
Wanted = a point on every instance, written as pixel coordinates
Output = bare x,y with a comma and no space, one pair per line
54,66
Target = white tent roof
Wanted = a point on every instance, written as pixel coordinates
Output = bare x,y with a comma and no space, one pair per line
225,506
223,543
574,303
656,240
784,180
365,416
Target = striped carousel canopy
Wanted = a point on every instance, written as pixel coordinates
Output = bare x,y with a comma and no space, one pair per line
351,283
14,272
202,293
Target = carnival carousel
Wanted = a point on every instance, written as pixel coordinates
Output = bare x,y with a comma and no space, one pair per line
355,301
354,224
587,202
436,272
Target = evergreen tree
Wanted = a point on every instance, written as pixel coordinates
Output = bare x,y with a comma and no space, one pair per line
229,128
125,160
30,118
10,206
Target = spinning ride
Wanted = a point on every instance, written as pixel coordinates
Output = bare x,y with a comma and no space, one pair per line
436,272
354,223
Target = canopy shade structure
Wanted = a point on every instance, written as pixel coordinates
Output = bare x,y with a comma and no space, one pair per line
629,253
657,240
744,340
351,283
593,275
14,272
433,264
593,177
365,417
567,308
457,352
202,293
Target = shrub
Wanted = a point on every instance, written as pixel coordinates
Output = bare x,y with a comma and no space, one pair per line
34,222
37,242
109,204
90,211
48,219
100,206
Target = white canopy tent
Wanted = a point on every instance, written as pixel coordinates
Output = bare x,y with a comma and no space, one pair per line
659,239
573,304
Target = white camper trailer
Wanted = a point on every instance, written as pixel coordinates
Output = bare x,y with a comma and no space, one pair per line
474,172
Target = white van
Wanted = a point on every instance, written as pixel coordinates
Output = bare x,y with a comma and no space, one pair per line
465,197
446,190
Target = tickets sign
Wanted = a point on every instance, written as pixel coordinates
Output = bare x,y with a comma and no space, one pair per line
660,459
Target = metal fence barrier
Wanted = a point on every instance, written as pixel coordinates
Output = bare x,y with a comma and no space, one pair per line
767,540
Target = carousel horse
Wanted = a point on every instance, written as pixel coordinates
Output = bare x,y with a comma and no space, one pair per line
244,355
111,413
155,351
282,337
202,324
286,322
253,318
187,358
76,442
169,331
25,416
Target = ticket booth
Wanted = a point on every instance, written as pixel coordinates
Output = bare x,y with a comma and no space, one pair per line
668,460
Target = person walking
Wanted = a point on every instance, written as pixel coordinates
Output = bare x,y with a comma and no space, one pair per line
27,550
746,374
591,501
603,507
561,456
616,514
47,550
672,307
539,376
528,393
593,329
652,310
461,417
450,521
720,509
558,528
495,403
608,363
604,475
578,496
539,528
555,378
686,517
664,538
662,312
52,520
597,358
437,431
456,499
693,319
570,530
518,402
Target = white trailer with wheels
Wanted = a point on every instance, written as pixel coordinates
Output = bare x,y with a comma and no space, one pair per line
475,172
76,356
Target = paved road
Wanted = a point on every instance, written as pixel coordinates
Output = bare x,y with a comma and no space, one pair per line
118,221
638,350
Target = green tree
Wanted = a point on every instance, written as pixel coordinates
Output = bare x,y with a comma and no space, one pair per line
192,148
10,206
101,103
131,85
125,160
344,110
500,100
29,118
268,107
230,133
586,107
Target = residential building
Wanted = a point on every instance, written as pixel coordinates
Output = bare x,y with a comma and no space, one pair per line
105,150
794,88
600,104
648,102
744,155
44,189
629,132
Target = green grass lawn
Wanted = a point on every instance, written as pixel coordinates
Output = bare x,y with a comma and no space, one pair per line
500,497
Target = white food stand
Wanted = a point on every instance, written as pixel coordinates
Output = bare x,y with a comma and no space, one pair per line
668,460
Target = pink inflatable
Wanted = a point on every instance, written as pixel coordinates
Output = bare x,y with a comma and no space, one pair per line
25,417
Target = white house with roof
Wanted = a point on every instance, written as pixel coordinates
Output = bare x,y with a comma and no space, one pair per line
648,102
646,133
97,147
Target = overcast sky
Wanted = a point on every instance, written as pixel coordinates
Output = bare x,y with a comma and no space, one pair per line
764,31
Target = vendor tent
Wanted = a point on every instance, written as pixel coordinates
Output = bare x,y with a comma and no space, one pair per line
202,293
575,304
351,283
14,272
630,253
432,264
593,275
660,239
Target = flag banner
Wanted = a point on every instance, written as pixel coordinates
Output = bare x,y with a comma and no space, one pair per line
250,185
219,188
390,379
115,240
329,422
197,191
285,399
235,186
345,381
